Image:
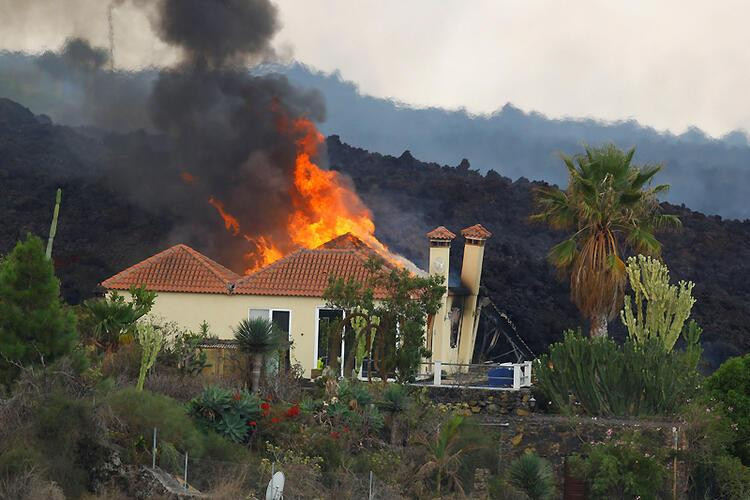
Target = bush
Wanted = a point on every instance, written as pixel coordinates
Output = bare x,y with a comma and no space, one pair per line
730,385
608,379
141,412
233,415
624,469
533,475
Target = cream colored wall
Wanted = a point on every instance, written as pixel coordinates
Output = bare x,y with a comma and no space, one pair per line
471,274
438,342
223,312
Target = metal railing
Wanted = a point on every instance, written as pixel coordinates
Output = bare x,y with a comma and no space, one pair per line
504,376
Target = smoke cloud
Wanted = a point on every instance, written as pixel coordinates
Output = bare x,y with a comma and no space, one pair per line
213,127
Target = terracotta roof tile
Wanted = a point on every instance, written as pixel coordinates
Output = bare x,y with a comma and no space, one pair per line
176,269
305,273
476,232
441,233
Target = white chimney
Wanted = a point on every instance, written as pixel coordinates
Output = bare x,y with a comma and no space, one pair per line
471,275
438,336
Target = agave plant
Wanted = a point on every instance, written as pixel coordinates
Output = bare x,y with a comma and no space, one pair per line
258,337
225,412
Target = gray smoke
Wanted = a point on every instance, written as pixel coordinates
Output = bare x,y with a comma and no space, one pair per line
213,127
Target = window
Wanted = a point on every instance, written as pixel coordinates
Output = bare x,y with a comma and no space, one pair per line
280,317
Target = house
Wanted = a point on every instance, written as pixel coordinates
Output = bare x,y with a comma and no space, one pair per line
193,288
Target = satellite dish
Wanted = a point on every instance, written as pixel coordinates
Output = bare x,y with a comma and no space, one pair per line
275,490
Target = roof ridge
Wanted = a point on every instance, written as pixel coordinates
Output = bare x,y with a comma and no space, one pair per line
272,265
208,263
144,262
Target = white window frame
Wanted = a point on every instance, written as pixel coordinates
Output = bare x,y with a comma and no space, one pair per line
271,310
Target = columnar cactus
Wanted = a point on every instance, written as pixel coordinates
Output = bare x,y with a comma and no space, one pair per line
53,227
657,309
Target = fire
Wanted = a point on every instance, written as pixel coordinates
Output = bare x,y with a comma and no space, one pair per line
325,207
230,221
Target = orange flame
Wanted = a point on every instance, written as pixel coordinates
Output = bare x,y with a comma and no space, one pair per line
325,207
187,177
230,221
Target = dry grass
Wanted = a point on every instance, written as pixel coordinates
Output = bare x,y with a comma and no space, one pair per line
29,485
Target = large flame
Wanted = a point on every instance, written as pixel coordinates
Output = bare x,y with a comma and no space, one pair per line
325,207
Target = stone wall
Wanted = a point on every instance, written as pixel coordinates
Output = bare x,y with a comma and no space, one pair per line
487,402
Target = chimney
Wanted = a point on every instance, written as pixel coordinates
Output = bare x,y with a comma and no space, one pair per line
440,252
471,275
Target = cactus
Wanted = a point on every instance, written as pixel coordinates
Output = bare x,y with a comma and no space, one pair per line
53,227
657,309
151,340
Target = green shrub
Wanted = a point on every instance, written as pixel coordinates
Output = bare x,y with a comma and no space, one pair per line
730,385
624,380
630,468
143,411
533,475
230,414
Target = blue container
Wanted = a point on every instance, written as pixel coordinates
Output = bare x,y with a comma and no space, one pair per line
500,377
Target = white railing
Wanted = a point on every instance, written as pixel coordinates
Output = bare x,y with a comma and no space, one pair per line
521,373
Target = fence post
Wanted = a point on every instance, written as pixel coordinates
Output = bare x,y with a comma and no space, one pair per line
153,452
186,462
369,495
437,372
516,376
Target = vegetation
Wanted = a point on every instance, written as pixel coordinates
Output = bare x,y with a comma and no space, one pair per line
730,387
151,341
393,326
259,337
533,476
658,310
443,455
35,325
624,468
233,415
603,378
112,318
608,204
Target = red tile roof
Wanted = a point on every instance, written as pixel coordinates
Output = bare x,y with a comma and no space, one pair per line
476,232
303,273
176,269
441,233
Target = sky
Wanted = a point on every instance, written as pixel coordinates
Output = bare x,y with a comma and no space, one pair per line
668,64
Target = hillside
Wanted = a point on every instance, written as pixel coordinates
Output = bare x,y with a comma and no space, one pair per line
101,231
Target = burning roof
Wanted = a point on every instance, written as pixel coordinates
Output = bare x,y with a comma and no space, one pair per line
303,273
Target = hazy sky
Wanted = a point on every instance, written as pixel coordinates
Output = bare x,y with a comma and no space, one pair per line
668,64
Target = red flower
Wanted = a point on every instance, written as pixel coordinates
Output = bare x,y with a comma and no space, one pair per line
237,396
274,420
265,406
346,428
252,423
334,435
293,411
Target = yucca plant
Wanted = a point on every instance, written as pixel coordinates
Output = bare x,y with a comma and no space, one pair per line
532,475
258,337
608,205
395,402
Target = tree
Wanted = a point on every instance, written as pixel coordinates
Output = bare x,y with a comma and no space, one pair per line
35,324
152,340
444,454
258,337
393,325
661,309
610,205
112,317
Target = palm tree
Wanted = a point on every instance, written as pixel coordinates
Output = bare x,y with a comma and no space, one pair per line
444,454
258,337
610,204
